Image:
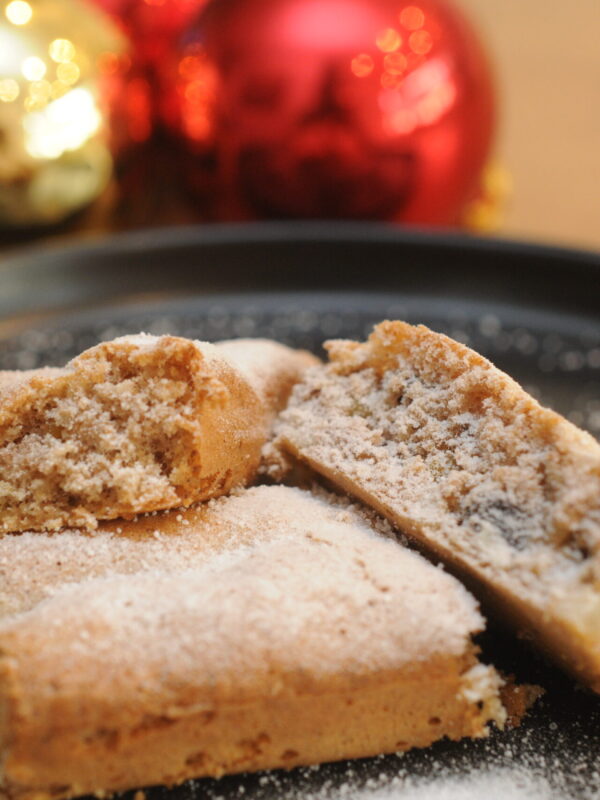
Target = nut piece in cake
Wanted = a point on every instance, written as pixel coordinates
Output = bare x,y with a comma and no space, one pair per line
137,424
270,628
459,457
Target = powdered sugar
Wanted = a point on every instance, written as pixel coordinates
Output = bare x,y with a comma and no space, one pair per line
271,601
514,784
247,559
461,458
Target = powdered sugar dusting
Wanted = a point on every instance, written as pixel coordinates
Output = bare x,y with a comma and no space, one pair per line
273,561
532,346
266,367
507,783
460,457
309,602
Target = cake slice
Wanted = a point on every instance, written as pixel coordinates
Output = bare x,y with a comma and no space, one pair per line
460,458
270,628
137,424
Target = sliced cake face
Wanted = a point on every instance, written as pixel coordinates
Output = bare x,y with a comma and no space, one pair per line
137,424
457,455
268,629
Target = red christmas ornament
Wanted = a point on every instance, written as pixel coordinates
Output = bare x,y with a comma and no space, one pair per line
152,25
152,28
333,108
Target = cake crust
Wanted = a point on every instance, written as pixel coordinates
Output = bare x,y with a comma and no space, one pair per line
296,633
459,457
137,424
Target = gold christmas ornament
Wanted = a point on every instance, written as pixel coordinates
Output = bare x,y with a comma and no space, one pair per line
486,212
54,117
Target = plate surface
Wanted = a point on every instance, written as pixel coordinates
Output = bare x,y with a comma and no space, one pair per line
533,311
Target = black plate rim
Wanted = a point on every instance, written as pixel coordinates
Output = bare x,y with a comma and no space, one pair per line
54,278
323,231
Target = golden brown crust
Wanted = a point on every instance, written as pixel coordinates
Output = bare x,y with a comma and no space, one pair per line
137,424
353,720
296,634
459,457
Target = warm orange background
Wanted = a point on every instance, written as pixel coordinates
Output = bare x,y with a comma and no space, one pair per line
546,55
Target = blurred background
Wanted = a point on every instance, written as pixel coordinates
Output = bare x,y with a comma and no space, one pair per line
480,115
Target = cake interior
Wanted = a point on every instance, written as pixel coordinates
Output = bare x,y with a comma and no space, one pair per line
452,473
98,440
461,459
447,449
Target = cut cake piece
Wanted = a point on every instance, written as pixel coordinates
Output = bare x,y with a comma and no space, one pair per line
267,629
460,458
137,424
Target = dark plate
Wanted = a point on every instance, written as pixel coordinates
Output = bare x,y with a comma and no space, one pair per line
534,311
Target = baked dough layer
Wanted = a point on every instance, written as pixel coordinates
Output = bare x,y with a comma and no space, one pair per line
459,457
271,628
137,424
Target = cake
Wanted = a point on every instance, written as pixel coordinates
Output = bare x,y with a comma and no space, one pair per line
270,628
137,424
460,458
